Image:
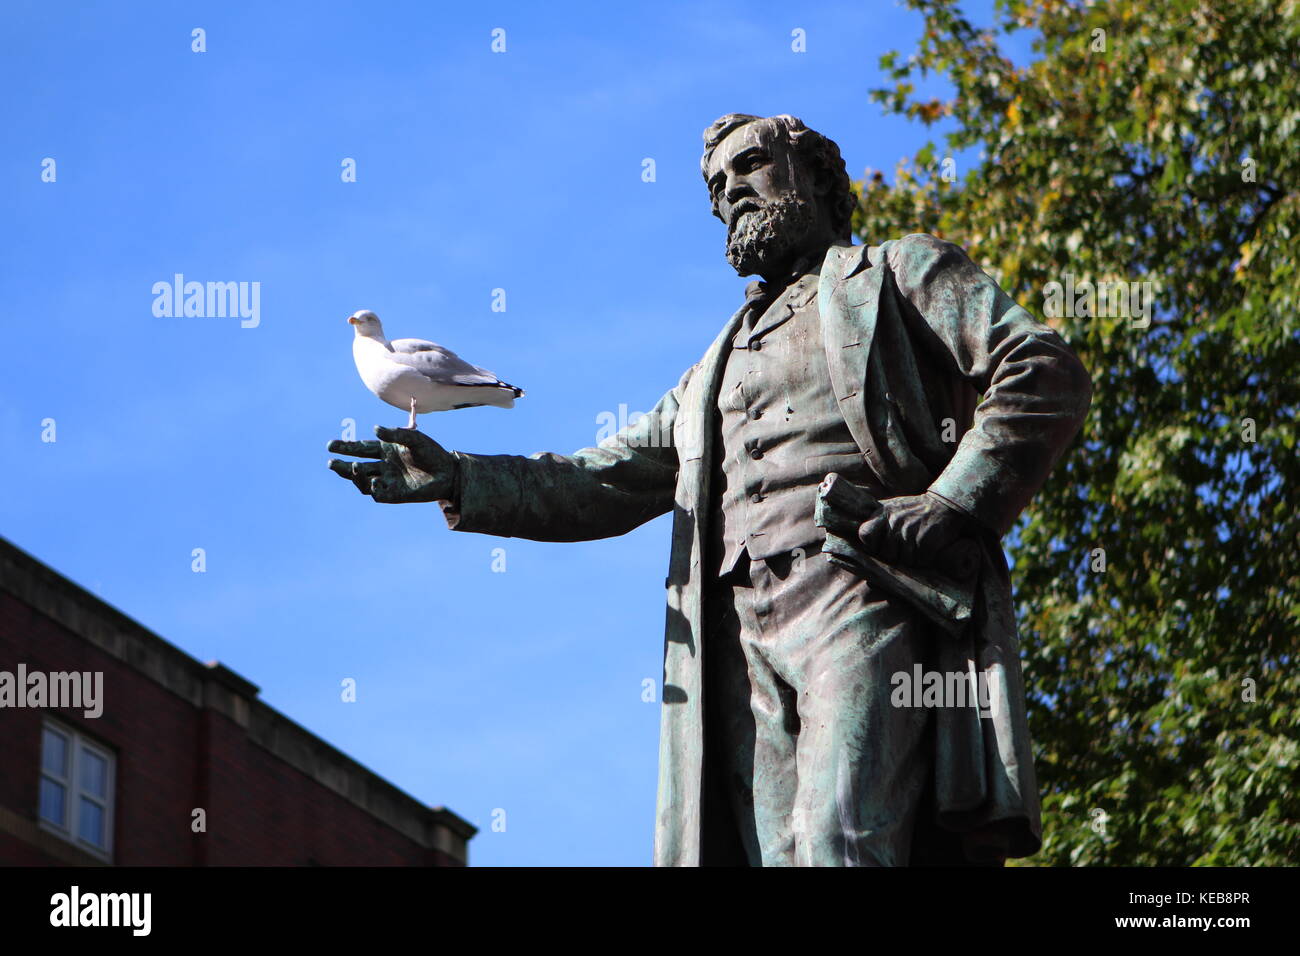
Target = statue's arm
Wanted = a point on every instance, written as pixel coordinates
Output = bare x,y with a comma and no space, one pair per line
1035,390
597,492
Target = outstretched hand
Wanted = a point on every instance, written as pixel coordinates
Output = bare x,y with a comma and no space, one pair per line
409,466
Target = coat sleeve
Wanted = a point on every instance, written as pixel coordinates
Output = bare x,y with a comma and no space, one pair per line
1035,390
599,492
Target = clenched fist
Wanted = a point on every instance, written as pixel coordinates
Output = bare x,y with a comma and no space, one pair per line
912,530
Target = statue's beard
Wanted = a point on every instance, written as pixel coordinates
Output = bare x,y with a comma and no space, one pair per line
771,235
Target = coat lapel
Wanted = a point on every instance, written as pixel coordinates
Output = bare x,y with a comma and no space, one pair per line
850,286
704,406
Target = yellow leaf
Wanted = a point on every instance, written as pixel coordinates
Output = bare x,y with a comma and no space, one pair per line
1247,252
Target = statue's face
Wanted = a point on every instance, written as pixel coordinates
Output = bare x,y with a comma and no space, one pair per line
750,167
765,199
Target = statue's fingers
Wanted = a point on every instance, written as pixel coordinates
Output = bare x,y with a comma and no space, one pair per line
908,530
385,491
918,542
887,533
932,538
354,469
357,449
400,436
900,543
873,531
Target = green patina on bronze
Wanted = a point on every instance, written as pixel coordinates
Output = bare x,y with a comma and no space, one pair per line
956,402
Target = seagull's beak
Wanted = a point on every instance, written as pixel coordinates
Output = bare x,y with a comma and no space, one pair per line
352,320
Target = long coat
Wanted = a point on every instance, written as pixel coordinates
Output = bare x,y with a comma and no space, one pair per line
922,346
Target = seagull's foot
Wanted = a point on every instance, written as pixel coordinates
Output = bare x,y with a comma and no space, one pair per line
411,423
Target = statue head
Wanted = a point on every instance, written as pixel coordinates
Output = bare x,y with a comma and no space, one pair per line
780,188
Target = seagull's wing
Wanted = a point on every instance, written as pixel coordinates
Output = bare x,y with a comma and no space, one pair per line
441,365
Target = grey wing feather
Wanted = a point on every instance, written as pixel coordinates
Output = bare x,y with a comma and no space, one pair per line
440,364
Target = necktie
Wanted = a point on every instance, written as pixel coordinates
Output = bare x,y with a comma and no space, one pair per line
757,298
759,294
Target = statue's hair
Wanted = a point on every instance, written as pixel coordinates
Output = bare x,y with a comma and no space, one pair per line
807,145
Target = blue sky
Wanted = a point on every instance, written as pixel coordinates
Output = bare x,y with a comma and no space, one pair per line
478,690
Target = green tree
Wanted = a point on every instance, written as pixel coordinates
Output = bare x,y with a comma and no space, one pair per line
1147,141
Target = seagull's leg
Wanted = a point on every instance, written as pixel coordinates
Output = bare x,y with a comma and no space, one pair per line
411,423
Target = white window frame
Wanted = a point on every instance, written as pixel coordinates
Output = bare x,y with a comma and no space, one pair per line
73,793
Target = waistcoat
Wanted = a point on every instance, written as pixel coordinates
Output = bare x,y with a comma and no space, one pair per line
781,432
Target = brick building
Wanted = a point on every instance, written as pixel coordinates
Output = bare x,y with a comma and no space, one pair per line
175,736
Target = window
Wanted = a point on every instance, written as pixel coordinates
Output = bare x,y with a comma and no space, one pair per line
76,798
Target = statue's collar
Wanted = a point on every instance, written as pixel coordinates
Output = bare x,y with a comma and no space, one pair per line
843,259
808,265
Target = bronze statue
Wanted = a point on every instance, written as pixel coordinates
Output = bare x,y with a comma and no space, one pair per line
840,465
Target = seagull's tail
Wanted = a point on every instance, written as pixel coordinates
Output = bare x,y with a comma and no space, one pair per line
502,395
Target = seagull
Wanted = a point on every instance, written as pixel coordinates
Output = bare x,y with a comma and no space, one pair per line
421,376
